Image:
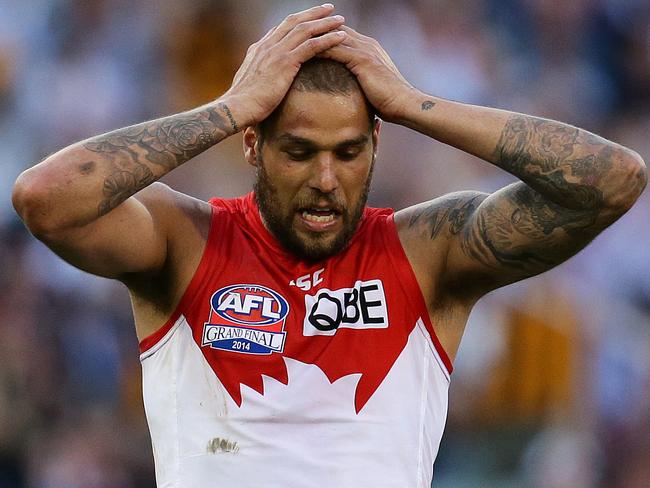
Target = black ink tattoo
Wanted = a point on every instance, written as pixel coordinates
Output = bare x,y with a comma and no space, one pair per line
136,156
519,229
535,224
452,211
166,142
120,185
546,154
557,209
230,117
428,105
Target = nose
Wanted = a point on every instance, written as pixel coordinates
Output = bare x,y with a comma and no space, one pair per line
323,177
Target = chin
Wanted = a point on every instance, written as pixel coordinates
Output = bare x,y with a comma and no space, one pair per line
319,248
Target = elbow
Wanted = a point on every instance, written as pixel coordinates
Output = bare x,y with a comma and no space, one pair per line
21,194
634,179
637,178
29,198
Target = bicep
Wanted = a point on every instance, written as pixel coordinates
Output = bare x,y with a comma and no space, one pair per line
516,233
129,239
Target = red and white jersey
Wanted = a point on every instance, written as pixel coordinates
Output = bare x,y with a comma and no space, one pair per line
273,372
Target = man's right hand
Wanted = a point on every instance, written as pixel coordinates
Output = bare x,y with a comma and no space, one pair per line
272,63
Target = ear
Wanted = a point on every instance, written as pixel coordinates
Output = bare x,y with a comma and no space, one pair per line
375,136
251,146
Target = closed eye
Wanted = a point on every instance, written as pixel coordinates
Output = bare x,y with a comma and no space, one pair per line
299,155
348,154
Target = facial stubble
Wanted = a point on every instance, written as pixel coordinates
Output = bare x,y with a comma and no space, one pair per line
282,226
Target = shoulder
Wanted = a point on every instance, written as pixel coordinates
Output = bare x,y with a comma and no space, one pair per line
428,230
438,218
186,222
183,219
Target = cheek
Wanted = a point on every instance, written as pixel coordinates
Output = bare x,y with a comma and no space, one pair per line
354,183
285,178
289,191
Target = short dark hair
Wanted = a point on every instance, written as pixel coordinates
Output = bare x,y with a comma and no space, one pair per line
320,75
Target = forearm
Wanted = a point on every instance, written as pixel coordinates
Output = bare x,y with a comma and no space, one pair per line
567,165
84,181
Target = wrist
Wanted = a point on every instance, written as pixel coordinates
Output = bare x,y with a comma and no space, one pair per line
432,116
414,105
233,113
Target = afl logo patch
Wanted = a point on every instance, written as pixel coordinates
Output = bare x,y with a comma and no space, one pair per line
246,318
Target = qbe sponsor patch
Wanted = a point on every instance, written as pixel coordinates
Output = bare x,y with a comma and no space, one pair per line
246,318
362,306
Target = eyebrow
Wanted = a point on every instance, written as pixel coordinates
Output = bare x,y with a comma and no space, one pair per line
293,139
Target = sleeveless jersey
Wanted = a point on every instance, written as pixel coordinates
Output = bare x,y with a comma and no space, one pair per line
275,372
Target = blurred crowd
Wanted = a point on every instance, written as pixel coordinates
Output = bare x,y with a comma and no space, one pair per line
552,382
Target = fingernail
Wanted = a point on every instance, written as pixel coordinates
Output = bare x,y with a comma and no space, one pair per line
340,34
338,18
327,5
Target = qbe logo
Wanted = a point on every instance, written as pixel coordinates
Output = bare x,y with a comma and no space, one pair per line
246,318
361,307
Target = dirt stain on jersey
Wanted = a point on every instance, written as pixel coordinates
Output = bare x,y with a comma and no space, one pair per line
218,445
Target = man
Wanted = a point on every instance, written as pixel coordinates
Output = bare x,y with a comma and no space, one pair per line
294,337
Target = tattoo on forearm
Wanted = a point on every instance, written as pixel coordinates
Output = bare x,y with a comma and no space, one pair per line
167,142
428,105
120,185
566,164
138,155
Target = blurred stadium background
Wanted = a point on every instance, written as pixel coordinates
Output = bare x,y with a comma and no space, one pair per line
552,384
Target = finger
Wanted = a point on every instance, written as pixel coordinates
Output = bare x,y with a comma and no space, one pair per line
352,38
352,34
341,53
365,46
313,28
268,34
311,47
294,19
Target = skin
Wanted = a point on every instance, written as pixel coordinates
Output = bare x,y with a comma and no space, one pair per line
320,154
95,203
463,245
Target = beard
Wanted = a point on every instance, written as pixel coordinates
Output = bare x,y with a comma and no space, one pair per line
280,222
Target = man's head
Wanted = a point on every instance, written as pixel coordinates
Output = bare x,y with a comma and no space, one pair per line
314,157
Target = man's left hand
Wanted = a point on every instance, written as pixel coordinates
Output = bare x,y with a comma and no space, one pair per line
386,88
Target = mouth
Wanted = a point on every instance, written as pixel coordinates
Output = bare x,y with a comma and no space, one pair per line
319,219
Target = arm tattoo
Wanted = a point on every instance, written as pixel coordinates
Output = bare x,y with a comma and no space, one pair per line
120,185
230,117
523,230
427,105
517,228
567,165
560,205
452,211
138,155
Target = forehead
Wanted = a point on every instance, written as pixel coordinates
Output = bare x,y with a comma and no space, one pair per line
323,117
